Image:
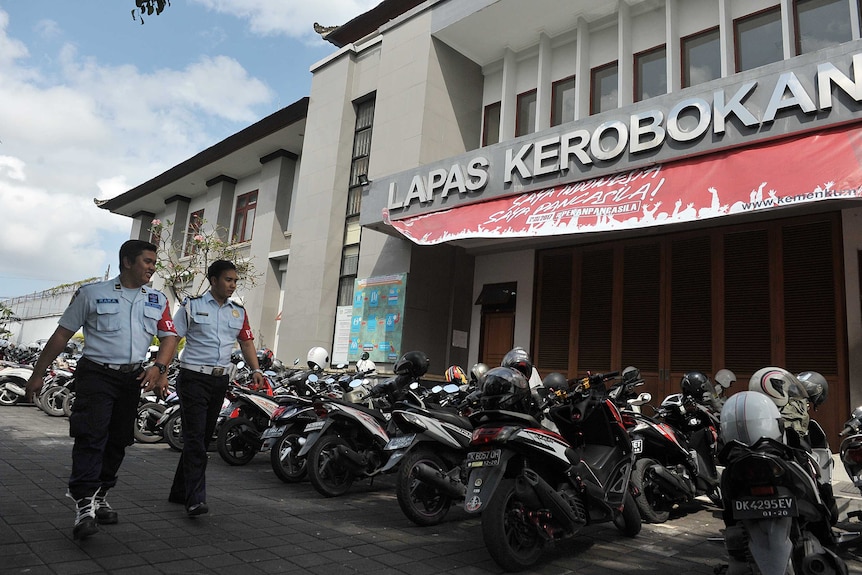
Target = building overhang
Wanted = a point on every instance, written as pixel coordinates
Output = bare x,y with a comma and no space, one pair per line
234,158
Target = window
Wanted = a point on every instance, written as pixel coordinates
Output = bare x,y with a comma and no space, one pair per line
701,57
604,88
758,39
361,141
525,121
650,74
491,124
347,277
821,23
195,222
243,218
563,101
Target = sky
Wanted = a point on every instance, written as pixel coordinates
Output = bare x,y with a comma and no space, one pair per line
92,104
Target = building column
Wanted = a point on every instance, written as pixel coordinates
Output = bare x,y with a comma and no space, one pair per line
220,198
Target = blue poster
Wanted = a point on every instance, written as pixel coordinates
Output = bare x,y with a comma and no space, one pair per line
378,318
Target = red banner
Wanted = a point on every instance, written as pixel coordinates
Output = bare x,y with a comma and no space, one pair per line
791,172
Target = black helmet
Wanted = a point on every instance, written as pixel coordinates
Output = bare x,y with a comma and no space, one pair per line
364,355
506,388
264,358
519,359
815,385
555,380
696,385
413,363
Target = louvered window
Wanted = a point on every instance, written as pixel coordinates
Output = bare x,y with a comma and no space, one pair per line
691,305
641,306
596,304
554,309
746,301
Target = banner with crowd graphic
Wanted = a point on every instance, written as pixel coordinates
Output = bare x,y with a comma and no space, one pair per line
803,170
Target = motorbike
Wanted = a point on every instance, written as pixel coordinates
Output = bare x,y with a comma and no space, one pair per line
775,516
535,487
430,452
851,447
13,381
243,421
676,454
348,439
58,385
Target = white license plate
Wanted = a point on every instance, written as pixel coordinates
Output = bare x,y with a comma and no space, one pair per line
400,442
314,426
271,432
483,458
764,507
637,446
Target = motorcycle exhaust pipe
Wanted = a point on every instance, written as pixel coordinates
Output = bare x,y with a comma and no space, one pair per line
15,388
440,481
530,481
350,458
672,484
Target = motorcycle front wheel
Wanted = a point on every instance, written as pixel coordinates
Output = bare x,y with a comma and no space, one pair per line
7,396
52,401
68,402
628,521
325,473
512,541
147,417
283,456
649,502
234,443
423,504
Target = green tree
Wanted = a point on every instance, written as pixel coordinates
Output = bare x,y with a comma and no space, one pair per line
183,267
7,316
148,7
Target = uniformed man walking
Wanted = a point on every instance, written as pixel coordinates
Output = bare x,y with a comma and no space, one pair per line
120,317
211,324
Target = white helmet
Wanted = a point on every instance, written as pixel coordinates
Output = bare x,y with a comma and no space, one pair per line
725,378
747,416
774,382
318,358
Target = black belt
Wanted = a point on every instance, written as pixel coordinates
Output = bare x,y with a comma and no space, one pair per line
119,367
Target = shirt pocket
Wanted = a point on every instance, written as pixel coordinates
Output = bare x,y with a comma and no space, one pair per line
152,315
235,322
108,317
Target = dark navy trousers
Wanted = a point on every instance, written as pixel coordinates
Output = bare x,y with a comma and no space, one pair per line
201,397
103,425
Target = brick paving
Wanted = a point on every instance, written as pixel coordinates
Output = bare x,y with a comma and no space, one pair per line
257,524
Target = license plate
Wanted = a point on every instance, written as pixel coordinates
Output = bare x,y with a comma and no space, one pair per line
314,426
637,446
483,458
271,432
400,442
764,507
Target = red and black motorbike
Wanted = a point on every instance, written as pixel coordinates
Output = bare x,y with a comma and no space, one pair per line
535,487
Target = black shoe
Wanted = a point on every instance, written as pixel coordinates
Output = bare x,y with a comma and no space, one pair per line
105,514
85,517
197,509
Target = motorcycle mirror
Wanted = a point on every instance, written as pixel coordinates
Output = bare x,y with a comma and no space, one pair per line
341,366
414,386
437,389
296,361
451,388
355,383
240,365
312,378
641,399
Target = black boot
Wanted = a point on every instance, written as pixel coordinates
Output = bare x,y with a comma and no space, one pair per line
85,517
105,514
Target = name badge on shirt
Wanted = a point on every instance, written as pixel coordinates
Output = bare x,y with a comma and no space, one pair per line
108,300
205,313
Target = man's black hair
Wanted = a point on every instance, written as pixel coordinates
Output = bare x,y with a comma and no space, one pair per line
218,267
131,249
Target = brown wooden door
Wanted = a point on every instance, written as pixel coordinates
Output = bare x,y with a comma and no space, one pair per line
498,336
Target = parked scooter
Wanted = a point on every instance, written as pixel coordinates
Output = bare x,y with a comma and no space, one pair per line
535,487
676,450
13,380
348,440
776,518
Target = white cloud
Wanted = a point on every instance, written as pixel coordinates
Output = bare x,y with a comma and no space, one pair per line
86,130
293,18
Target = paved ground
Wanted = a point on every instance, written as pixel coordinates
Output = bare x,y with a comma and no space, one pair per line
257,524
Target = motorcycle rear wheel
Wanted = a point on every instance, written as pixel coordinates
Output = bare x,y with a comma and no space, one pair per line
8,397
648,500
628,521
68,402
513,543
283,456
326,475
423,504
52,401
147,416
233,443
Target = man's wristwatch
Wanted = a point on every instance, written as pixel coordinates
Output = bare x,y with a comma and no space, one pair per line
162,367
258,370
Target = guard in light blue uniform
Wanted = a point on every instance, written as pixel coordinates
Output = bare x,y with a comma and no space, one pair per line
212,325
120,318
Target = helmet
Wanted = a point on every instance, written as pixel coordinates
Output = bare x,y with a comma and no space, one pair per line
364,355
264,358
456,374
519,359
236,356
478,372
506,388
318,359
775,382
631,373
412,363
747,416
696,385
815,385
725,378
555,380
